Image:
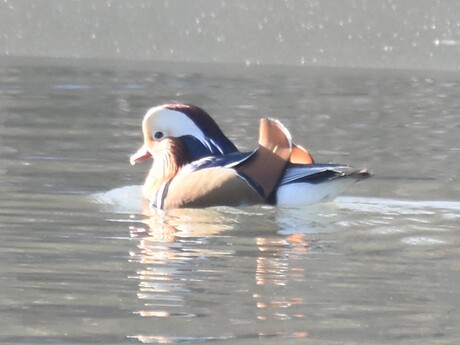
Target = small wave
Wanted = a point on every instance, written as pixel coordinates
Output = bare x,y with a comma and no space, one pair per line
125,199
422,241
394,206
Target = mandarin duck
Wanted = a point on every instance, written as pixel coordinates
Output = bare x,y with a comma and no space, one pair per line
196,165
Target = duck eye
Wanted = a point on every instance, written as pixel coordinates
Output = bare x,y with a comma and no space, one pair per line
158,135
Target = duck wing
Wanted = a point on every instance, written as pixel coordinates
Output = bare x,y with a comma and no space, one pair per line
315,183
317,173
229,160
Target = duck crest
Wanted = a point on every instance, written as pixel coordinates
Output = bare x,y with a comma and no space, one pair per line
170,156
201,118
207,124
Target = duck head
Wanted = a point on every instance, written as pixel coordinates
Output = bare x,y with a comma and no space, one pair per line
198,132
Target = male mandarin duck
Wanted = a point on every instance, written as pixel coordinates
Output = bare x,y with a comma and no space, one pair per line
196,165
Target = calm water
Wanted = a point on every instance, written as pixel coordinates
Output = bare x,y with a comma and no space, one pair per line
80,264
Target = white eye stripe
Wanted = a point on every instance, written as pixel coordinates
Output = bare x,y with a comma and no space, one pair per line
171,123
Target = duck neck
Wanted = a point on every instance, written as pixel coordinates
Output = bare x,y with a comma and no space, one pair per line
171,156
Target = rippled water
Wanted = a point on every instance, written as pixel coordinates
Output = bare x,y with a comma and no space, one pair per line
81,264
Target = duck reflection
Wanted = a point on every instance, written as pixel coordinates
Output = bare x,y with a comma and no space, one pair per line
167,243
209,263
273,266
169,226
276,270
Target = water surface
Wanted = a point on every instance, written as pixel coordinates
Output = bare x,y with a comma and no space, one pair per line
81,264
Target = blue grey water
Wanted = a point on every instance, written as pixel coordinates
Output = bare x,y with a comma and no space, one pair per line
80,263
